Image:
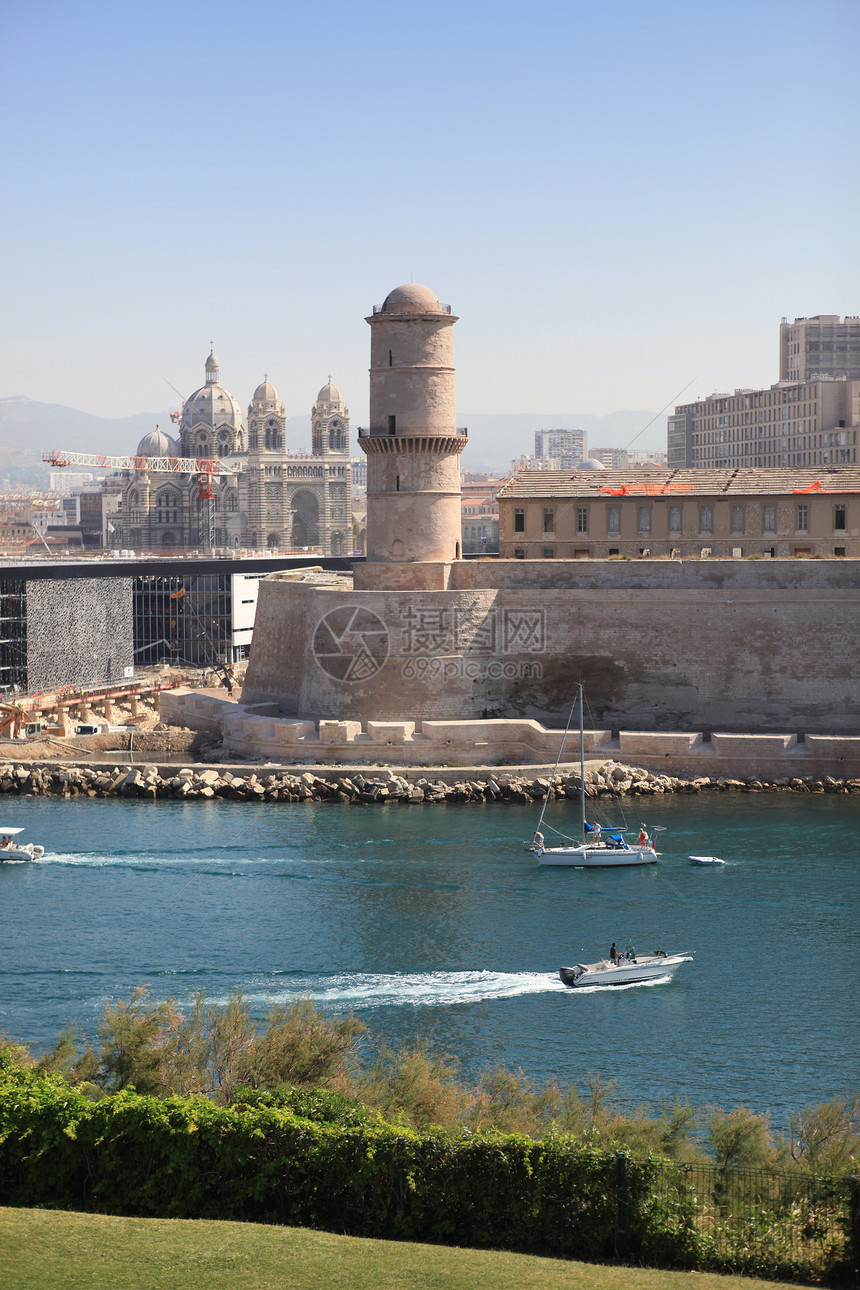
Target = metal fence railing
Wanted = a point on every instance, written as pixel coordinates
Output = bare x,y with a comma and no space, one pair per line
786,1226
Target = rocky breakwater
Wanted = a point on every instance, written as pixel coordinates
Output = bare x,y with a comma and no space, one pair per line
262,784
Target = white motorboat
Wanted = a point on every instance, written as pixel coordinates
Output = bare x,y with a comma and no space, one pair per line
705,860
627,969
597,847
10,849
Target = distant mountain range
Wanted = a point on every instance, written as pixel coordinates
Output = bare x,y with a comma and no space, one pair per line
27,428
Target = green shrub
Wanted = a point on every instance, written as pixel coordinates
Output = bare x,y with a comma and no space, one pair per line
316,1159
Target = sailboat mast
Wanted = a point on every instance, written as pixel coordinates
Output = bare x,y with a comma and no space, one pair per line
557,760
581,765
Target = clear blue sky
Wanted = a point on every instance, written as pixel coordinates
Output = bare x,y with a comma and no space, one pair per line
616,198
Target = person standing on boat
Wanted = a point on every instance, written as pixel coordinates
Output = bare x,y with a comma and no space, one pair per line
614,956
643,836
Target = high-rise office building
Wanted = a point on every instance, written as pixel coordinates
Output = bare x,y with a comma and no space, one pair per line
811,417
825,345
563,445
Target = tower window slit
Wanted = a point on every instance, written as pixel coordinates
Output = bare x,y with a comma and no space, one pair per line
392,425
397,485
390,359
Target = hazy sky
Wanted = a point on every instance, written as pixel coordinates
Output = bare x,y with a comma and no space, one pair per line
617,198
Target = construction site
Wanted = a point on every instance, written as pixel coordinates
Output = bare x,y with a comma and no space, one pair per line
87,647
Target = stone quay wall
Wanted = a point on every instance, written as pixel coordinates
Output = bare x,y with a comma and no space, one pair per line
377,786
734,646
259,730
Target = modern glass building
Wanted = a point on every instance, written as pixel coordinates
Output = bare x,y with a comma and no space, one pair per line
91,622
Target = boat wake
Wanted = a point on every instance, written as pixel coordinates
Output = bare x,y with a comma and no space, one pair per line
421,990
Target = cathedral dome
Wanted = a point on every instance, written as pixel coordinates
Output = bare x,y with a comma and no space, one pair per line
411,298
591,463
157,444
211,407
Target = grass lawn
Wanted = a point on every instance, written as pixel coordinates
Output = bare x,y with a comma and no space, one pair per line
54,1250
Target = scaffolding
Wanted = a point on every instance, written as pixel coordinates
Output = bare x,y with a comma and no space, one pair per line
186,619
13,635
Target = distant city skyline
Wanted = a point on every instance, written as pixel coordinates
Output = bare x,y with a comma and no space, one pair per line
620,204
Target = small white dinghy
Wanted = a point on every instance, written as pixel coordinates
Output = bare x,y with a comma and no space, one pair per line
705,860
12,850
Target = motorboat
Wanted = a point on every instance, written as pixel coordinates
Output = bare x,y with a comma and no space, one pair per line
596,847
705,860
626,969
11,849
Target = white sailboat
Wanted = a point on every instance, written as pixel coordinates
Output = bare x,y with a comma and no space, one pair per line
596,848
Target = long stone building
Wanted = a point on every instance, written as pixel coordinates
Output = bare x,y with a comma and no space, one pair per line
273,499
596,513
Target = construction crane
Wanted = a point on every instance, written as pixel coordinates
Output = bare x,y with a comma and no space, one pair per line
205,468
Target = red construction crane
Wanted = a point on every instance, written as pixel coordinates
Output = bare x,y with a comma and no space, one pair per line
205,468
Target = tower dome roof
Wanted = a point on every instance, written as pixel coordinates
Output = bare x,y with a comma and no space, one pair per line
411,298
591,463
157,444
266,392
330,393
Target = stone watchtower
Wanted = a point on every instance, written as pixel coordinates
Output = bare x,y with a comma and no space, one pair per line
412,444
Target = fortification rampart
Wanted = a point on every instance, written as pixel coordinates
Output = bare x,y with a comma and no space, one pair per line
733,646
260,730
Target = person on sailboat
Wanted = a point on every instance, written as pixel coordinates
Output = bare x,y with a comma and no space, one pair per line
643,836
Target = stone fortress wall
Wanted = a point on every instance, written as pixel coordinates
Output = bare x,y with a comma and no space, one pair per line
723,645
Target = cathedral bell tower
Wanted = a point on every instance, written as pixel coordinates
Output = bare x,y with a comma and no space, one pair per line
269,521
330,422
412,444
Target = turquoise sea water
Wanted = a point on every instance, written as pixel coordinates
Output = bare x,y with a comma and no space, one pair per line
434,921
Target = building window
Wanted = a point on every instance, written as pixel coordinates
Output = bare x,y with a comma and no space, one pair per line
737,519
549,519
644,519
674,519
549,553
392,425
839,518
582,519
769,521
803,518
519,553
519,520
705,519
613,520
